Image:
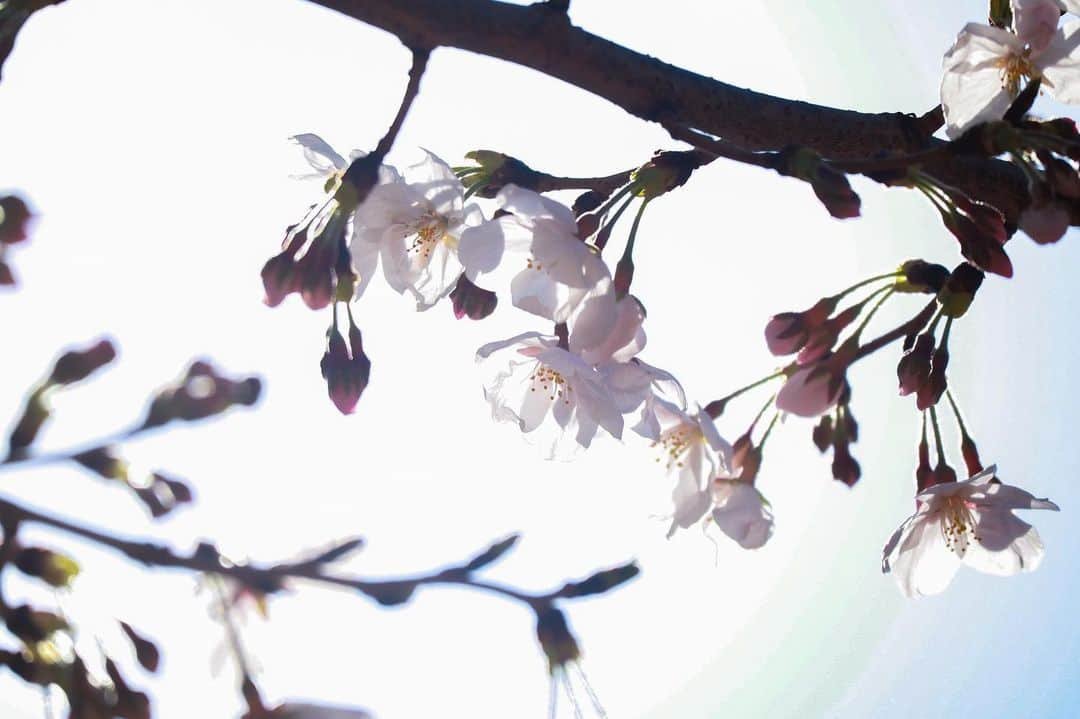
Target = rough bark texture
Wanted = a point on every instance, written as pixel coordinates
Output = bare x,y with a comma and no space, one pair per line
542,38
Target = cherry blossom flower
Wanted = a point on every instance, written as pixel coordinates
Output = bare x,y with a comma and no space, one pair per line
741,512
415,223
813,389
984,68
554,274
542,380
694,452
969,522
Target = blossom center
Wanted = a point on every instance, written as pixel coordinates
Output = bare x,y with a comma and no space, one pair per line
676,443
958,524
550,382
429,232
1015,67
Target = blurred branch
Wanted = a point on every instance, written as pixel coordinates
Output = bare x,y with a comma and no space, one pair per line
268,579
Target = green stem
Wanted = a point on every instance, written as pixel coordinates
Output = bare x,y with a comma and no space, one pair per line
873,310
956,413
937,436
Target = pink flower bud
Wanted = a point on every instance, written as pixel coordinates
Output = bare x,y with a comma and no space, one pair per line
821,340
76,365
14,220
913,370
787,332
1045,220
813,389
345,368
472,301
931,391
980,230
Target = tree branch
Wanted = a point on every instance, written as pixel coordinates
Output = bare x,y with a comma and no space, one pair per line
539,37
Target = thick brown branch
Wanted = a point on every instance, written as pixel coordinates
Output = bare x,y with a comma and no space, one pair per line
540,38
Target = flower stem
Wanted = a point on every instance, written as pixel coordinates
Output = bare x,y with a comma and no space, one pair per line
715,408
888,292
956,413
844,293
937,435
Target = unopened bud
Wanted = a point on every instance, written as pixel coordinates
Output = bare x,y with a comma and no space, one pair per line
931,391
624,276
913,370
76,365
555,638
33,625
103,462
664,172
588,201
830,186
53,568
472,301
921,276
959,291
971,455
601,582
787,332
345,368
844,466
14,220
823,433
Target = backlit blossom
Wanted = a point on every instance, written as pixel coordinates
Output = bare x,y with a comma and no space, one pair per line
969,522
741,512
691,450
553,273
985,66
813,389
538,383
302,710
415,224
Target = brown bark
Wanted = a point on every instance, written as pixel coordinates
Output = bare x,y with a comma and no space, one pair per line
541,37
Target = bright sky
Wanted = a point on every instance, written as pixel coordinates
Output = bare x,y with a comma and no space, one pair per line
151,139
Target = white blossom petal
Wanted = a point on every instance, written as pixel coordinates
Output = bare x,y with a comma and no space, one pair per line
1060,64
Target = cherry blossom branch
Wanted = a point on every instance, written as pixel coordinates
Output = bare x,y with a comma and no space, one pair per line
416,72
541,37
269,578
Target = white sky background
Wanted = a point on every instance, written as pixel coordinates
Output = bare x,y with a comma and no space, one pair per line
151,138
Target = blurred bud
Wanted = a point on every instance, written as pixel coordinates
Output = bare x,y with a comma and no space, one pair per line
931,391
202,392
345,368
787,332
823,433
959,291
7,277
665,171
33,625
128,703
844,466
29,423
103,462
76,365
53,568
555,638
971,455
14,220
492,553
921,276
913,370
298,710
830,186
472,301
162,494
390,594
145,650
603,581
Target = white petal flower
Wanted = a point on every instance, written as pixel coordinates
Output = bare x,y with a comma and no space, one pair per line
537,380
984,68
554,273
969,522
414,224
694,452
1035,21
637,386
741,512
